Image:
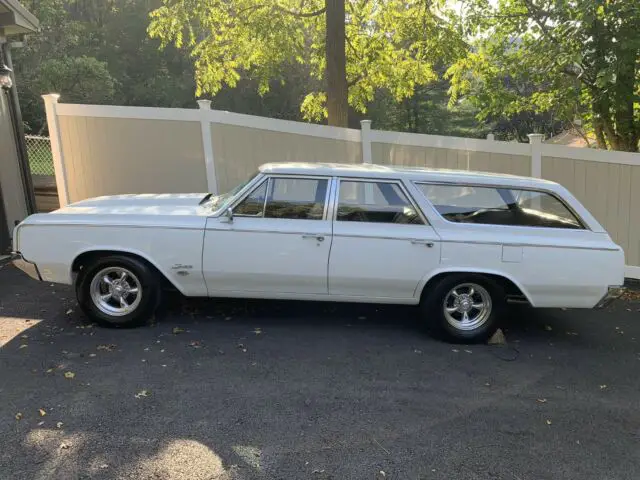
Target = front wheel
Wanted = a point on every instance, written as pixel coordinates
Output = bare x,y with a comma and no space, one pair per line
464,308
118,290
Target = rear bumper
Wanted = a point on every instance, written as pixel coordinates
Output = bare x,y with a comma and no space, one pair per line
27,267
613,292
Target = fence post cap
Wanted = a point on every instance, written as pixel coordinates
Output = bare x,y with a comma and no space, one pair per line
204,104
490,136
51,97
535,137
365,123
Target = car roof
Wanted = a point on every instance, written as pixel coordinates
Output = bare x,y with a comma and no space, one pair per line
408,173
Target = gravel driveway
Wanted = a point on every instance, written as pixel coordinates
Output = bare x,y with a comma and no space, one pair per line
276,390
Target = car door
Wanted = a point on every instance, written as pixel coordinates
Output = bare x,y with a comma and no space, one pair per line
382,244
277,243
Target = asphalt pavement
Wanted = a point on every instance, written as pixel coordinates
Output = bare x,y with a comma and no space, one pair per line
230,389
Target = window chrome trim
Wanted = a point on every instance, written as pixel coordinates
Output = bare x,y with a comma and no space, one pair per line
396,181
333,200
267,178
578,218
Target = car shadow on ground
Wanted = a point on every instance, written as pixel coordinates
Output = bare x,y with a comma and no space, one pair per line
262,389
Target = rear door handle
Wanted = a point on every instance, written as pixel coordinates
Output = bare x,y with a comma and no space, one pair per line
426,243
312,236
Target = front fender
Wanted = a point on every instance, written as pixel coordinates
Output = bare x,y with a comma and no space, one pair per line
130,251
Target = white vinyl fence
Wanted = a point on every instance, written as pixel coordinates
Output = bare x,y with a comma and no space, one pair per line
107,150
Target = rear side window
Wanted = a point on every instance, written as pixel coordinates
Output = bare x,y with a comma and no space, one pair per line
500,206
375,202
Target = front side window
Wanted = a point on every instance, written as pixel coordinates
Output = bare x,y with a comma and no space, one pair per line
253,204
292,198
375,202
499,206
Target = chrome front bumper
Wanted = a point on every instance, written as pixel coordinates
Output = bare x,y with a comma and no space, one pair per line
27,267
613,292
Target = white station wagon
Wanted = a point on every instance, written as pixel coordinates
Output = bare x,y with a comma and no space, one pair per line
460,244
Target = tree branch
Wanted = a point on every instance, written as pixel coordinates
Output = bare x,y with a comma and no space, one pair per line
578,129
536,14
280,9
301,14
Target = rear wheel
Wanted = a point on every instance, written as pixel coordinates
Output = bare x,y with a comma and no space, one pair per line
118,290
464,308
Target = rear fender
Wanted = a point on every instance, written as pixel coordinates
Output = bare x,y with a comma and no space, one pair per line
444,270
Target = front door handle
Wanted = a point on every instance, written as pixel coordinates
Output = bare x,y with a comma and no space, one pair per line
426,243
312,236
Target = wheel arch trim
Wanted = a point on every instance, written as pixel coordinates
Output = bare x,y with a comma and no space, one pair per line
480,271
110,250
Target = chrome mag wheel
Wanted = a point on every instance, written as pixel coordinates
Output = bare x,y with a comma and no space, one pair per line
467,306
116,291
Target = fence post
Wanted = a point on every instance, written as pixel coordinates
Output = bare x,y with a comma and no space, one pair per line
207,146
535,140
491,137
51,109
365,133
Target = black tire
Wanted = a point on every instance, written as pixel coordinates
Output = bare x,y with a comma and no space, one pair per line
142,273
433,308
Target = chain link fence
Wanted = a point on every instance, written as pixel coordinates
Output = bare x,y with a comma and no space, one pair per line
39,152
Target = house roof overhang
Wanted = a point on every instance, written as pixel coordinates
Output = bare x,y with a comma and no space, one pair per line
15,19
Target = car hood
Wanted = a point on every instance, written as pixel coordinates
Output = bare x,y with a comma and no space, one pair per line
144,204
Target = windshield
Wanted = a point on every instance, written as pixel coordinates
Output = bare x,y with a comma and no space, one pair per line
216,202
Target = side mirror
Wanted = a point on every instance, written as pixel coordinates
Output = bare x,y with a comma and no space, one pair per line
228,215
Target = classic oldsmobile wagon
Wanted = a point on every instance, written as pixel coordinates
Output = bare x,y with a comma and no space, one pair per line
459,244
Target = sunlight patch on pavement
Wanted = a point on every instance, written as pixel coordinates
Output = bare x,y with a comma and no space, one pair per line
55,451
11,327
186,459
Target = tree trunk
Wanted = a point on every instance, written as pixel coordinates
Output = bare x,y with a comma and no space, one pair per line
601,142
626,128
335,44
603,123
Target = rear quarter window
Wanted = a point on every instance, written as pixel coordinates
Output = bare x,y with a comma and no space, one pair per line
500,206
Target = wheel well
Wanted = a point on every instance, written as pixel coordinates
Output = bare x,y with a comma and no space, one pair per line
84,259
511,290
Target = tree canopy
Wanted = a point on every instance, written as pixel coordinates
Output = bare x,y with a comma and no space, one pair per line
572,59
510,67
97,51
389,44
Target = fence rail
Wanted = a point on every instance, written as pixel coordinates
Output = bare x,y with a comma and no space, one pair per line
104,150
